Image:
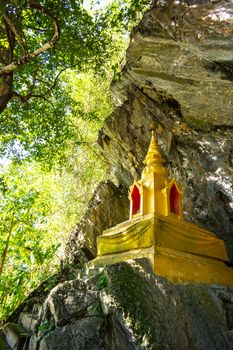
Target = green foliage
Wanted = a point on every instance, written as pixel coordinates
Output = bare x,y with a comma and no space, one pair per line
36,122
22,252
102,280
46,327
47,132
38,210
45,203
124,15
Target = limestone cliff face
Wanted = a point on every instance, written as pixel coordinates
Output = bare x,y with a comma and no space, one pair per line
179,71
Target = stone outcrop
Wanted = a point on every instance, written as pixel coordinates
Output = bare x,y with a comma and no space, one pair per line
108,207
125,306
179,72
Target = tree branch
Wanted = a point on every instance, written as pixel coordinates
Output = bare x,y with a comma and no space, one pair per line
51,86
11,41
5,250
2,59
15,31
32,55
6,90
25,98
38,29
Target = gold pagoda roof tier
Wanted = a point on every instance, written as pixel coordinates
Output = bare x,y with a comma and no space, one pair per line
154,161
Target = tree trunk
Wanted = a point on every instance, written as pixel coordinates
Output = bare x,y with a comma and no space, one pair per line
4,253
6,92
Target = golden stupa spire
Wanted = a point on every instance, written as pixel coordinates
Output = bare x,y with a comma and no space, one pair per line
154,161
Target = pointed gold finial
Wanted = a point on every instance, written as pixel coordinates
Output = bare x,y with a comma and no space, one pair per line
152,125
152,129
154,161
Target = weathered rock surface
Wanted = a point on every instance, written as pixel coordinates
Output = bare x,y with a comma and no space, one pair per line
83,334
126,306
108,207
179,71
160,315
71,300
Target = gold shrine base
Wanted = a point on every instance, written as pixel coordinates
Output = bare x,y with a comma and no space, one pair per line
177,250
177,267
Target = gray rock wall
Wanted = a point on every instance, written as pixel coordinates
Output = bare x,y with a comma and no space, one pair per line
108,207
126,307
179,72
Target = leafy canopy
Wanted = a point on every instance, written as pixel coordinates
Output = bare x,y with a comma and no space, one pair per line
39,206
39,41
57,59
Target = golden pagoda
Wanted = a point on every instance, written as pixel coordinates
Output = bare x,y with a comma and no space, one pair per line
178,250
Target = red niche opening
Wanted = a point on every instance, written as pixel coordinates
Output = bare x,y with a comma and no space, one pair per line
174,200
136,199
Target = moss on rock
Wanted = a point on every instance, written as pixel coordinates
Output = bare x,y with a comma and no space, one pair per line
160,315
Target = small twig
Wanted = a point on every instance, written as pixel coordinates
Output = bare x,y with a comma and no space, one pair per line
38,29
52,86
25,98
